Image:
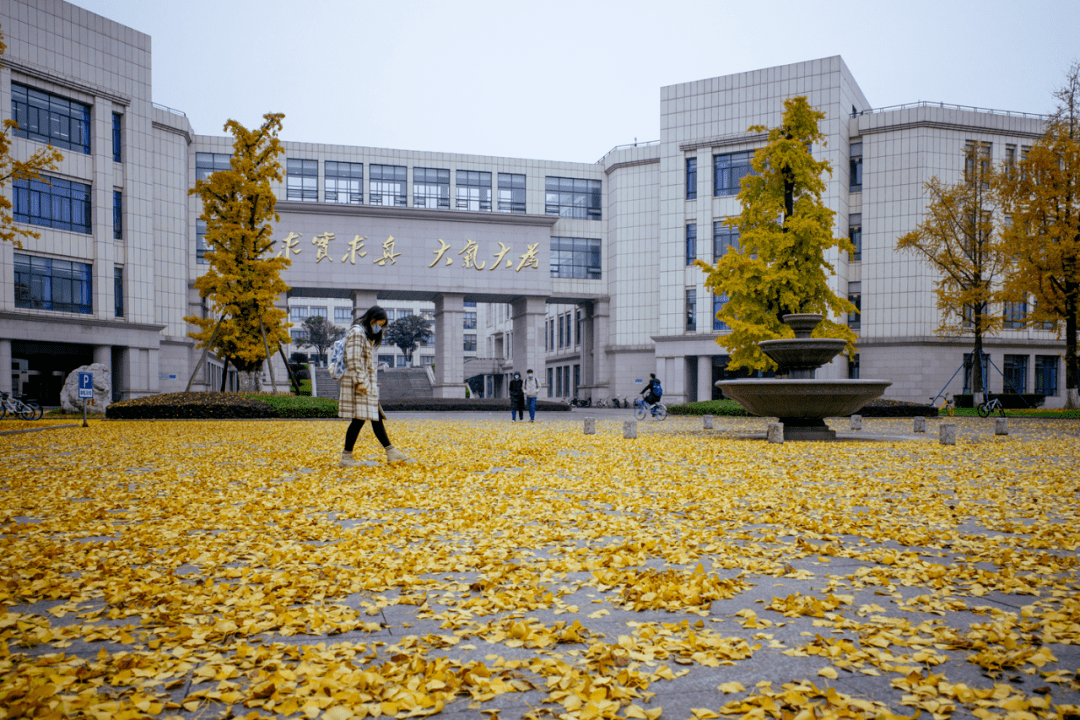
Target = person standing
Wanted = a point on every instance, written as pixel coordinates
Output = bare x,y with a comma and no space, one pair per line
517,398
532,389
359,393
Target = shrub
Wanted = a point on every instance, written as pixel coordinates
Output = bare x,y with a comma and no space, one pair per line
710,407
186,405
463,405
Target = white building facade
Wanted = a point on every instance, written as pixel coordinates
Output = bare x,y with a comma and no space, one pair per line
580,271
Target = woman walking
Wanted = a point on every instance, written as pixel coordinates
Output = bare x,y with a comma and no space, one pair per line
517,399
359,396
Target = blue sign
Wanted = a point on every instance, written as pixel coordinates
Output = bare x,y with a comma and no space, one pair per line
86,386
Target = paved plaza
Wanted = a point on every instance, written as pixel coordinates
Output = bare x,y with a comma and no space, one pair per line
208,569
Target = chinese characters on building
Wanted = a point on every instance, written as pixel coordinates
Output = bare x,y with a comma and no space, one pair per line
472,255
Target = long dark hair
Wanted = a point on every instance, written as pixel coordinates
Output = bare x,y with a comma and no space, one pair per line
373,315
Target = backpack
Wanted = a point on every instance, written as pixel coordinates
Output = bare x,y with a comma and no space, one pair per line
336,366
657,390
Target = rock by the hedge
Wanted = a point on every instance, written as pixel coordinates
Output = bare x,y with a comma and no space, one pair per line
920,424
69,394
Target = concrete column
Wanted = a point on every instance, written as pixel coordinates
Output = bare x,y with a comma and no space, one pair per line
449,345
153,370
672,375
704,378
588,370
597,359
362,300
528,314
5,366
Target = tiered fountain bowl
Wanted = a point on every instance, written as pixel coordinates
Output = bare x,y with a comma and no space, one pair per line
795,395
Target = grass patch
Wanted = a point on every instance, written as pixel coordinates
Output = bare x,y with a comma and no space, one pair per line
299,406
729,408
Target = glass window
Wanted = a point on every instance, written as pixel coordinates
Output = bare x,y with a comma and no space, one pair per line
302,180
468,303
473,190
298,313
570,198
117,215
691,309
402,361
116,156
318,312
575,258
1014,370
200,243
46,284
47,118
977,152
855,168
343,315
718,303
404,313
691,178
470,321
558,382
853,367
343,183
691,243
854,296
511,193
386,360
549,385
427,360
118,291
1010,160
52,202
724,237
855,235
577,329
1046,375
729,170
562,332
1015,314
206,164
431,188
470,342
387,185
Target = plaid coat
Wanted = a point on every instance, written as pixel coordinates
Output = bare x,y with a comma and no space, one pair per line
359,391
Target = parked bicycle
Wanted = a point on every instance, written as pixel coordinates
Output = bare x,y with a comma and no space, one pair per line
28,410
574,402
988,406
600,403
620,403
947,404
642,409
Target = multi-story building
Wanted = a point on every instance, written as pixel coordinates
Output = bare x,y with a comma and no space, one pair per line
580,271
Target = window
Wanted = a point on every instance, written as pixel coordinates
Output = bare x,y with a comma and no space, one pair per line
1015,314
299,337
1014,370
117,215
1046,375
969,367
577,379
200,243
724,237
302,180
404,313
575,258
691,178
566,380
207,164
402,361
116,156
297,314
977,152
853,367
562,333
558,382
470,342
52,202
691,309
470,321
718,303
549,386
47,118
577,329
386,360
570,198
855,168
118,291
389,314
551,334
343,315
468,303
855,235
691,243
46,284
1010,160
387,186
474,190
854,296
511,193
431,188
343,183
729,170
318,312
427,360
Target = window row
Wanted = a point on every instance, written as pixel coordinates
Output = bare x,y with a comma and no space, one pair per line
718,302
563,331
730,168
54,203
61,285
1014,373
559,382
724,237
575,258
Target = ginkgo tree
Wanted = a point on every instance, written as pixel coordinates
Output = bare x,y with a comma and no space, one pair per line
1043,197
243,279
785,230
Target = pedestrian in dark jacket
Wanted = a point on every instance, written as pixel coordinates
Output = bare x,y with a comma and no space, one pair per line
517,398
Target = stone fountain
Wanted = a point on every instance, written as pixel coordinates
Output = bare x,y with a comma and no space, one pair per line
795,396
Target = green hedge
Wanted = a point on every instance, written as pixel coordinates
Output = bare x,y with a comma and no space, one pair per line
710,407
189,406
299,406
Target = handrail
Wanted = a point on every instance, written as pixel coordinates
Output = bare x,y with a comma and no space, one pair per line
949,106
647,143
166,108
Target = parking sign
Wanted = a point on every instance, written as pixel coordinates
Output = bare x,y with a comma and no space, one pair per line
86,386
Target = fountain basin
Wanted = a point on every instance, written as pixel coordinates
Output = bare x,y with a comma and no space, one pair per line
799,354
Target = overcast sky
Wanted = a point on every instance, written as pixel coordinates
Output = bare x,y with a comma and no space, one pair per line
567,79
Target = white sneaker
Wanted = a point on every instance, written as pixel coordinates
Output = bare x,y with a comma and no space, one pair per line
393,455
347,460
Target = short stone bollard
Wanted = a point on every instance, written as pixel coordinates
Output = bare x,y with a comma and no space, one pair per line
1001,426
856,422
629,429
920,424
706,421
947,434
775,433
590,426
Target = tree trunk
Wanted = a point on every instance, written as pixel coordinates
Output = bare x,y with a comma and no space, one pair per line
1072,371
249,381
224,372
977,388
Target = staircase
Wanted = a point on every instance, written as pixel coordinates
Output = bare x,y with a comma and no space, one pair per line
394,384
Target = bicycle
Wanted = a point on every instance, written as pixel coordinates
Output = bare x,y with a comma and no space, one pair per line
600,403
26,410
643,408
988,406
947,404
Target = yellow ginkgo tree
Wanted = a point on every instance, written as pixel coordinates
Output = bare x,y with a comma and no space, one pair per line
243,279
785,230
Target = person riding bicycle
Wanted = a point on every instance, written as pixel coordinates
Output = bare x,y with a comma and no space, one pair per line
653,391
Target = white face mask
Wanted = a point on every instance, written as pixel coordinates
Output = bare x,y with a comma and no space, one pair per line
376,329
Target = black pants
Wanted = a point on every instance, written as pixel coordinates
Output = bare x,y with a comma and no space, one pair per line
353,432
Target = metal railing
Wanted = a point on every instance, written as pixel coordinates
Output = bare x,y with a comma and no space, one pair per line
166,108
647,143
949,106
